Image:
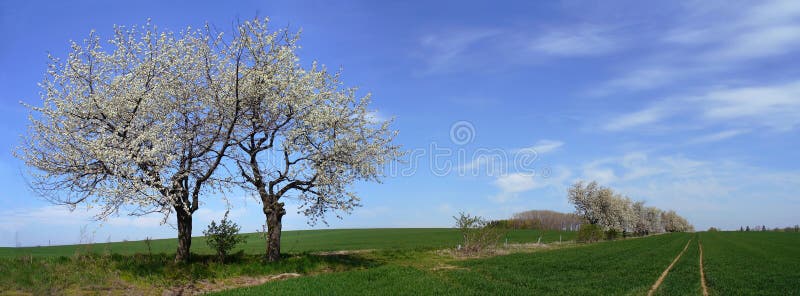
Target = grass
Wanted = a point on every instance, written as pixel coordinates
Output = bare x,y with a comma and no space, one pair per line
301,241
411,262
752,263
625,267
128,265
94,272
684,278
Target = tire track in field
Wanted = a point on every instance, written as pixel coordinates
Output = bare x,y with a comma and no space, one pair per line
702,274
666,271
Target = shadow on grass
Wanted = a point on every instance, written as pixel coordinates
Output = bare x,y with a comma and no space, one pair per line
164,267
102,271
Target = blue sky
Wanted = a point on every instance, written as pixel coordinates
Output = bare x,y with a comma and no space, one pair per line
692,106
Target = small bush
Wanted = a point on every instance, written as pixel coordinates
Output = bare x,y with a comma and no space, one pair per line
223,237
477,233
590,233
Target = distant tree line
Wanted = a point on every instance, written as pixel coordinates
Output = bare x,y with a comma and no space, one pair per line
541,220
795,228
605,212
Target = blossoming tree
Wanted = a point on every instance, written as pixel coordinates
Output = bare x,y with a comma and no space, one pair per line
146,119
601,206
142,120
303,134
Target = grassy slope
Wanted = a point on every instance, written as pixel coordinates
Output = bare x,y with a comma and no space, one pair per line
301,241
609,268
752,263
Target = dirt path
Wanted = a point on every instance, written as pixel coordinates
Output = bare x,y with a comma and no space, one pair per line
666,271
208,286
702,273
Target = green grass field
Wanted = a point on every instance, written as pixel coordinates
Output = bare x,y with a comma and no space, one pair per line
302,241
128,265
735,263
684,278
625,267
411,262
752,263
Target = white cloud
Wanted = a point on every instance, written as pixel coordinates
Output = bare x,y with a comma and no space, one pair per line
542,147
742,30
712,40
637,79
636,119
512,185
453,50
762,42
776,106
584,40
718,136
635,166
517,182
443,51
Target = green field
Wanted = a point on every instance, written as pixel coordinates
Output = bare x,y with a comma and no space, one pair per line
303,241
414,262
625,267
752,263
684,278
129,265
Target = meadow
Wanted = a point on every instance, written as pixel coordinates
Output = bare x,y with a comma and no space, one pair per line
626,267
752,263
300,241
422,262
131,265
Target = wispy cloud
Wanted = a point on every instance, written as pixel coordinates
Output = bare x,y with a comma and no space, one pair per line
580,40
512,185
636,119
718,136
444,51
636,165
454,50
714,40
542,147
775,106
730,32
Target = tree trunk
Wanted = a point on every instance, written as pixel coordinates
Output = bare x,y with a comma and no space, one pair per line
274,212
184,234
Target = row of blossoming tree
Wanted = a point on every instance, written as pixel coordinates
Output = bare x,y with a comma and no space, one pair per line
603,208
154,122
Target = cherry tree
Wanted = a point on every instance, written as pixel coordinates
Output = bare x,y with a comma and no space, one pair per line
601,206
302,134
142,120
586,201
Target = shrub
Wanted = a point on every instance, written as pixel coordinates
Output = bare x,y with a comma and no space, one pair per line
477,233
223,237
590,233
